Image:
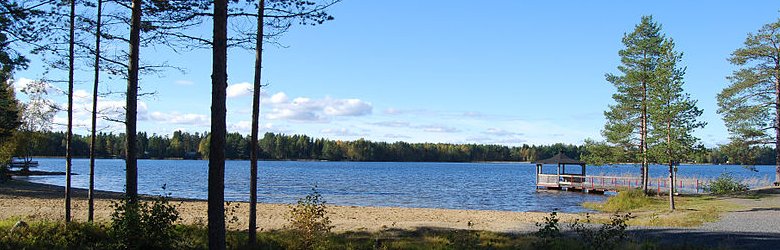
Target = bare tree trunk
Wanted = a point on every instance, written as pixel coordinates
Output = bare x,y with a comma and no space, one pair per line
255,126
777,124
671,162
69,136
91,205
216,199
643,139
131,163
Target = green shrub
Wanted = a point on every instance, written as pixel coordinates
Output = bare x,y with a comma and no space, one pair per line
626,200
549,231
309,221
463,239
144,225
726,184
55,235
606,236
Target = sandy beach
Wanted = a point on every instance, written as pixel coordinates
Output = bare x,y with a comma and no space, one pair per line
32,201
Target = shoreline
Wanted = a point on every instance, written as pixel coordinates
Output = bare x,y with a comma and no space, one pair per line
20,199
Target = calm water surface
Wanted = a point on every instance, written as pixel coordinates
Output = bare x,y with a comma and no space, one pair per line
476,186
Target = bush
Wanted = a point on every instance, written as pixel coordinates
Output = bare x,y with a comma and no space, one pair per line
626,200
548,231
309,221
144,225
54,235
607,236
726,184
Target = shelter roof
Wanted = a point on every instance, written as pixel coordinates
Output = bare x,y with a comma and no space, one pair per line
560,158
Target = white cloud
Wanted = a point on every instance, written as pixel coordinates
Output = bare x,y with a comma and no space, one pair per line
28,85
438,129
21,83
341,132
348,107
397,136
280,97
392,124
81,95
293,114
239,89
501,132
177,118
245,127
314,110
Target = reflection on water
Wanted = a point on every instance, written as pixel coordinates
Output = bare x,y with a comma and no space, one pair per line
482,186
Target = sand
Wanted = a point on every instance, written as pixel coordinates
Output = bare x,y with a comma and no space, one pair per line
31,201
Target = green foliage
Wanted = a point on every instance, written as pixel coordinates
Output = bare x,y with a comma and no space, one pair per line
285,147
608,236
144,225
626,200
464,239
549,231
10,114
748,104
626,125
726,184
672,114
50,235
309,221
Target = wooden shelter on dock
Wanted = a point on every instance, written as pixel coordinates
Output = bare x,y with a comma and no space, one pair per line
561,179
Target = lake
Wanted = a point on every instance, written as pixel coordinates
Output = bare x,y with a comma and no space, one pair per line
476,186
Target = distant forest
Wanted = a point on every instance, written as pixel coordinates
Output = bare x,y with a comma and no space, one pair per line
301,147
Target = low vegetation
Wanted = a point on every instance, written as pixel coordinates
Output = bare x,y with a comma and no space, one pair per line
651,210
625,201
610,235
309,221
726,184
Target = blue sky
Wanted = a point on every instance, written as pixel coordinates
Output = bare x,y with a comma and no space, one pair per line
503,72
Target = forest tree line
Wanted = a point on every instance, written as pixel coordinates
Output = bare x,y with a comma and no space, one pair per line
292,147
301,147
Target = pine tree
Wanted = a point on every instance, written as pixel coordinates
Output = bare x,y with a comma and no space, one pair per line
216,190
9,111
627,119
750,105
672,115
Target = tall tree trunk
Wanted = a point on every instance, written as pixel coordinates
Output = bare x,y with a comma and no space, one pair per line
91,205
69,135
777,123
643,139
255,126
671,162
216,207
131,164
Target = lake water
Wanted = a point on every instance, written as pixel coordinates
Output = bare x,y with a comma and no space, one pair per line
477,186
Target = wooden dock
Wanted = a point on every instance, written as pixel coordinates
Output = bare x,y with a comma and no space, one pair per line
601,184
579,181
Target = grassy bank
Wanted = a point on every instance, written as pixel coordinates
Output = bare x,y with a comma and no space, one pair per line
691,210
80,235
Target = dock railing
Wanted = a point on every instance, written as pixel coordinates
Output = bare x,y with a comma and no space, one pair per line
615,183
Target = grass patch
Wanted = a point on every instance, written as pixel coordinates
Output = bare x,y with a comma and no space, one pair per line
625,201
79,235
691,210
